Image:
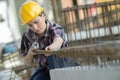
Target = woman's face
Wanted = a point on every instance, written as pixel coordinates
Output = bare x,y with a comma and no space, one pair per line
38,24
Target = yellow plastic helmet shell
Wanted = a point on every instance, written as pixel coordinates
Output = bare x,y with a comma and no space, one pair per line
29,10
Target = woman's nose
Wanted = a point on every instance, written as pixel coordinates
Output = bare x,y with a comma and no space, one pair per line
34,26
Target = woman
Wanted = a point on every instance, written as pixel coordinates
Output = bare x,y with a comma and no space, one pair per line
41,32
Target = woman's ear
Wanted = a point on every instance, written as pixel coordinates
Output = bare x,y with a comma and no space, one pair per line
43,15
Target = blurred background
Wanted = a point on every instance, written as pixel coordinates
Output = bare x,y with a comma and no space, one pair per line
85,22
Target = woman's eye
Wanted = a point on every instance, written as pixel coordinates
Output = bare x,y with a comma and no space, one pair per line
30,25
36,22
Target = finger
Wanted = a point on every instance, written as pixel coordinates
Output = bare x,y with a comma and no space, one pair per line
47,48
32,48
47,54
31,51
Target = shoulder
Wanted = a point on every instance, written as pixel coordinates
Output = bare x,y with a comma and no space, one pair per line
25,35
56,26
24,38
29,35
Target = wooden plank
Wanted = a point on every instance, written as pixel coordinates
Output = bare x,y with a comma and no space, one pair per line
104,49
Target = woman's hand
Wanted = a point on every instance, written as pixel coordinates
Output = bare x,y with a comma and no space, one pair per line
30,52
29,57
51,47
57,43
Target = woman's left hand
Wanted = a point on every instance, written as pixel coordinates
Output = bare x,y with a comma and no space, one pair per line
57,43
50,48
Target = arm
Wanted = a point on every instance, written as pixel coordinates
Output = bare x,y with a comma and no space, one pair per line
57,43
28,59
26,51
57,33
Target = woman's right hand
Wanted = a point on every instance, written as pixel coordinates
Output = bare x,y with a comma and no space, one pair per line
29,57
30,52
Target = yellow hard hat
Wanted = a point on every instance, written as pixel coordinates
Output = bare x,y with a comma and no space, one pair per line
29,10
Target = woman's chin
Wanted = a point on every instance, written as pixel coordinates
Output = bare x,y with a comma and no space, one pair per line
39,33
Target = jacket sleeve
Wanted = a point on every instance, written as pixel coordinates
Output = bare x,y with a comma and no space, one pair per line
58,31
24,45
